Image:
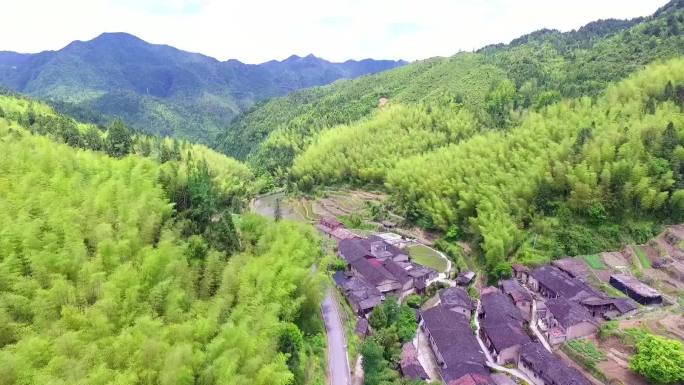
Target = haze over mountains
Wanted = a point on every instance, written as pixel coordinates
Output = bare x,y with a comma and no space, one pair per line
160,89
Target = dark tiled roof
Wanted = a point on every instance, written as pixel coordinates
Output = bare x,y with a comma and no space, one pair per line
358,292
504,335
567,313
455,341
362,327
473,379
353,249
549,367
465,278
498,308
455,296
399,273
409,364
514,289
624,305
372,271
575,267
635,285
562,284
373,246
330,222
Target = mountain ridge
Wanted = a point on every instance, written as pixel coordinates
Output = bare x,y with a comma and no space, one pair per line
161,89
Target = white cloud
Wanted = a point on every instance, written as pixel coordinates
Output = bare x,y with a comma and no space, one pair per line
259,30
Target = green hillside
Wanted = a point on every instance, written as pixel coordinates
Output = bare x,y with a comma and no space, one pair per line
161,90
529,73
116,267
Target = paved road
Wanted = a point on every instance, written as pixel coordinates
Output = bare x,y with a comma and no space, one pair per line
338,365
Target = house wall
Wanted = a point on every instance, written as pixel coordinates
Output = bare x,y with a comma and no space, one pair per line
525,308
388,286
522,365
555,339
508,355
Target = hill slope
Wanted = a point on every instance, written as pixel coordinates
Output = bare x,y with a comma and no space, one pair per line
105,275
160,89
531,71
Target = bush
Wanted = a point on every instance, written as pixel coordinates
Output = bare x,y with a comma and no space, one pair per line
414,301
659,359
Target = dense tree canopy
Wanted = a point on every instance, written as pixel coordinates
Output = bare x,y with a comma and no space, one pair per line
99,283
531,72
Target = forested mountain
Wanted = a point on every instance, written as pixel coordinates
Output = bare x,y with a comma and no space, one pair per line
162,90
529,73
120,262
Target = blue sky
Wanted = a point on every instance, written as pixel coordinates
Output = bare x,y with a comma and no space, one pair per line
254,31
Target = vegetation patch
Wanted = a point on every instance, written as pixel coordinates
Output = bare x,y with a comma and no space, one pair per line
595,261
426,256
587,355
643,258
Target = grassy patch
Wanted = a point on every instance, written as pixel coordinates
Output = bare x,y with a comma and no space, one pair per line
611,291
595,261
355,221
587,349
587,355
643,258
427,257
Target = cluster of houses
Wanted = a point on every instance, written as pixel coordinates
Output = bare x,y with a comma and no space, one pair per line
554,300
461,359
570,307
376,267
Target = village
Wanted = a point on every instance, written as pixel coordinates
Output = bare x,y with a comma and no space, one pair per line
504,334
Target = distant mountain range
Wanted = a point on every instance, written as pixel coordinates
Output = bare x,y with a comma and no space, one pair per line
160,89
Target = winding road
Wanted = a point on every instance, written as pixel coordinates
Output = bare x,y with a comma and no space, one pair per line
338,364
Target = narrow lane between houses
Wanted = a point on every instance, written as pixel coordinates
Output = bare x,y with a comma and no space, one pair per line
490,361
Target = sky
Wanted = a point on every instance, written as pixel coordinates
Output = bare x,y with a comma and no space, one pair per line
254,31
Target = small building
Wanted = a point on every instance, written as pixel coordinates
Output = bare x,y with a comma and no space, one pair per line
545,368
458,300
329,223
361,296
519,295
334,229
465,278
551,282
409,365
566,320
503,339
520,272
609,308
636,289
362,328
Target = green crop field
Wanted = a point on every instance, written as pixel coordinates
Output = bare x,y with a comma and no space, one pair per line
427,257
